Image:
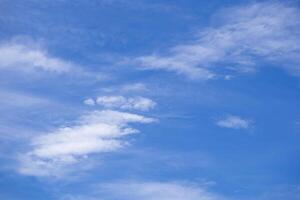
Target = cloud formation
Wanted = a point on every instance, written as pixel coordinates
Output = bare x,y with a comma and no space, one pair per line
25,57
121,102
96,132
89,102
244,38
234,122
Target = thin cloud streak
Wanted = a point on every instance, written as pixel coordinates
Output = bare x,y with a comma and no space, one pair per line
155,190
19,57
245,37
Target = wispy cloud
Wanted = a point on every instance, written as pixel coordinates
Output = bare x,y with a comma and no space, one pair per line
244,38
175,190
121,102
134,87
21,57
137,190
25,57
234,122
89,102
95,132
126,88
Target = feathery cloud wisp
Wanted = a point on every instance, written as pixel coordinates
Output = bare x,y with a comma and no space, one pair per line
18,56
245,37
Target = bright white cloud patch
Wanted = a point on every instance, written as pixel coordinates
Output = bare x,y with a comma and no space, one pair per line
242,39
18,56
234,122
120,102
96,132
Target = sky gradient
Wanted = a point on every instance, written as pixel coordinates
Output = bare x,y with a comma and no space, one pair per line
149,100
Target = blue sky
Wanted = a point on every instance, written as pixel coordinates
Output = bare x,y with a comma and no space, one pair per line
149,100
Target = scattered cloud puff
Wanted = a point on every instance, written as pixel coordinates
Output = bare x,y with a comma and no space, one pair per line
25,57
95,132
234,122
121,102
244,38
151,191
89,102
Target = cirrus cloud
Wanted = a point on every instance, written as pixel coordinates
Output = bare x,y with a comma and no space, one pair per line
244,38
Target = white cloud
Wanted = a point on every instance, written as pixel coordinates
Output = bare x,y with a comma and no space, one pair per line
176,63
111,101
244,38
25,57
138,190
132,103
89,102
96,132
234,122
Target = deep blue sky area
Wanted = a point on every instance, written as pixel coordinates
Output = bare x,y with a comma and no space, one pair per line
149,100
